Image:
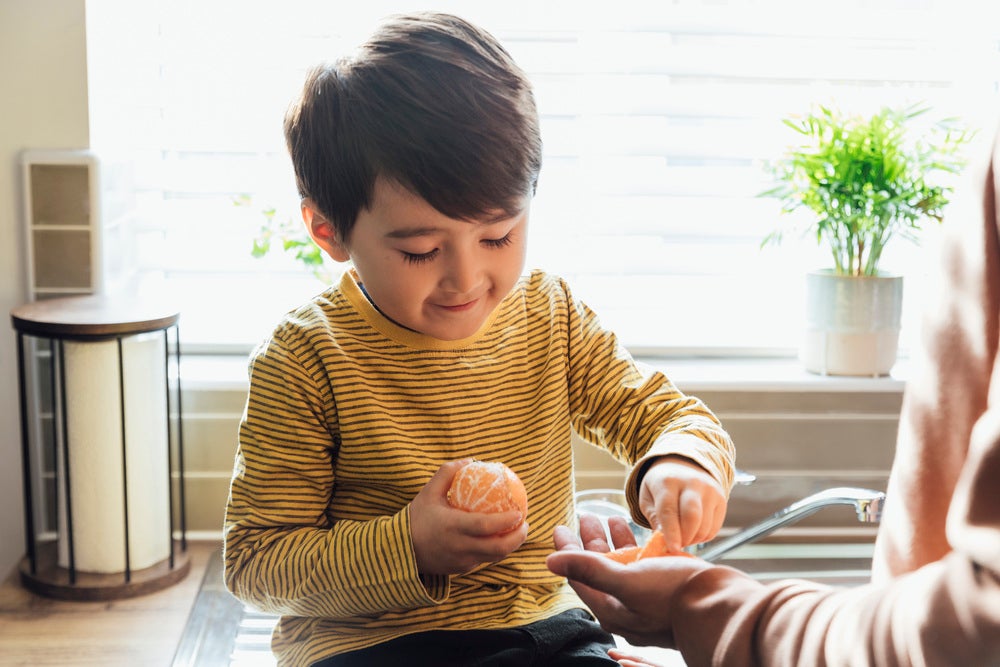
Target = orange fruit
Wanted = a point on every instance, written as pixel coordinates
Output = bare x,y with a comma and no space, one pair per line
656,546
487,486
625,555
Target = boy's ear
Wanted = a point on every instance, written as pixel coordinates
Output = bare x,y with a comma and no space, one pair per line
323,232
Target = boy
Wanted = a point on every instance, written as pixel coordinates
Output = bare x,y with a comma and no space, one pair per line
416,160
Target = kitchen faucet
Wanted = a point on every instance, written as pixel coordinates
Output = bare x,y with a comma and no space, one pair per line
866,502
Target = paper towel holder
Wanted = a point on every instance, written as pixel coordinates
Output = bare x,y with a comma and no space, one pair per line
96,330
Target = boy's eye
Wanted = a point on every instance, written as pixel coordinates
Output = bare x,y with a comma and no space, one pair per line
418,257
498,243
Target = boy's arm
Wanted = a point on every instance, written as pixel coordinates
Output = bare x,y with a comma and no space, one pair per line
282,552
636,412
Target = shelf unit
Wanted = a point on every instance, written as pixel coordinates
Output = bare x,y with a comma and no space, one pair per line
79,218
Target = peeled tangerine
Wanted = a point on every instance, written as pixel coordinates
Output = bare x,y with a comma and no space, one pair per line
487,486
656,546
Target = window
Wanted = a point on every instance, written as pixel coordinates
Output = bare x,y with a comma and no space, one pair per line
657,118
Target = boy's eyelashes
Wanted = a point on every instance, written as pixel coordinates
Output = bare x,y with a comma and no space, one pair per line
418,257
498,243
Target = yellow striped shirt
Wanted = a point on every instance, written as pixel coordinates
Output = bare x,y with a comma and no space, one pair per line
349,415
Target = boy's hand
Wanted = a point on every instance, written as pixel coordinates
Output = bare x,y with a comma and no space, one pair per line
447,540
681,499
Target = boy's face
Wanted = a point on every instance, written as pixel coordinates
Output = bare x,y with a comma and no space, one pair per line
425,271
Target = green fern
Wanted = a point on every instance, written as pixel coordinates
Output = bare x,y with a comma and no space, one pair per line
866,180
292,238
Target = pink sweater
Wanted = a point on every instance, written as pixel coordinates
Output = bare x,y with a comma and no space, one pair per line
935,599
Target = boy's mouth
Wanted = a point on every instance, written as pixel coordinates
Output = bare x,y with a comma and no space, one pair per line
460,307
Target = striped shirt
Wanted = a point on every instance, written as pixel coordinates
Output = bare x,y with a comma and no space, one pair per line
349,416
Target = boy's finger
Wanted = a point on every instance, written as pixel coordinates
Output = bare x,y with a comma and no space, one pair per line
691,512
670,526
441,481
485,524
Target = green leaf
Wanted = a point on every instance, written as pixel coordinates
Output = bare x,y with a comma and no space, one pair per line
290,236
866,179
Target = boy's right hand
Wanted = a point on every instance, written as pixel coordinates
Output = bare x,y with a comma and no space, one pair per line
447,540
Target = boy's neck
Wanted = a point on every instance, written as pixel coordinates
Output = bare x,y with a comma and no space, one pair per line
368,296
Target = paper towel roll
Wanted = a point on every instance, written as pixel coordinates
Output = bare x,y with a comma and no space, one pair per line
94,435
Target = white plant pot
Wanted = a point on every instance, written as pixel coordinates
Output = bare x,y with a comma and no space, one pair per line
852,323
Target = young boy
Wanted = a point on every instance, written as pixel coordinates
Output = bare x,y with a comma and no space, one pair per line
416,160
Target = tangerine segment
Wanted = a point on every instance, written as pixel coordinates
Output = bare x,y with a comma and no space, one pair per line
655,547
625,555
487,486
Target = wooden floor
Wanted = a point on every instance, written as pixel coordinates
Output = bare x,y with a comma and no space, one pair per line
142,630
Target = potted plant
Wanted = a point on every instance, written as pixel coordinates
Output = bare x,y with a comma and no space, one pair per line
291,236
864,181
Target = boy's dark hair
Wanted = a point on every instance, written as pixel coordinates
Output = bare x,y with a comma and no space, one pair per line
430,102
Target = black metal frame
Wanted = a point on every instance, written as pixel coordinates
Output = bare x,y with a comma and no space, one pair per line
60,436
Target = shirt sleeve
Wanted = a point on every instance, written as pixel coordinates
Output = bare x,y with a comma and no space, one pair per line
940,604
634,412
947,613
282,553
952,379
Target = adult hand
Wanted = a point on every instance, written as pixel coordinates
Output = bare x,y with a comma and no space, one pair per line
633,600
447,540
681,499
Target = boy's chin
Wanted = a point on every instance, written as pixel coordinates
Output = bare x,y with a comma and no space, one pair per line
453,331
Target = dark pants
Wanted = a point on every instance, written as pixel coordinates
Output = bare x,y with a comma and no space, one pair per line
571,638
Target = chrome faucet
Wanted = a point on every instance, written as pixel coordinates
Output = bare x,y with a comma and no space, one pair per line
867,503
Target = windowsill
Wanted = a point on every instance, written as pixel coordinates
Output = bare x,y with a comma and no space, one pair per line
696,374
690,374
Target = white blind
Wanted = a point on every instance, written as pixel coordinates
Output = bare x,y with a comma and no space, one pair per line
657,118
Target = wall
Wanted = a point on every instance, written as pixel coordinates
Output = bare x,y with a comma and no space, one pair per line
43,76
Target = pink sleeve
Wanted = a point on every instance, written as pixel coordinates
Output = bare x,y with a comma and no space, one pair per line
951,383
938,602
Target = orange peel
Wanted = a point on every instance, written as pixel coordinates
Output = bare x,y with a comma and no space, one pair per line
655,547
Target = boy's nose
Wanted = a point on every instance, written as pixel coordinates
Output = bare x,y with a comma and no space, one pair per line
461,274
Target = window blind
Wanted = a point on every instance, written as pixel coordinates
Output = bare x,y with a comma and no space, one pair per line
658,119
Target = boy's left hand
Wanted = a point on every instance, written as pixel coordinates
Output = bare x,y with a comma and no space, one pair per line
681,499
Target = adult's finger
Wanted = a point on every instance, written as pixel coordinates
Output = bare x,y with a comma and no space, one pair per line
566,540
592,533
621,532
591,569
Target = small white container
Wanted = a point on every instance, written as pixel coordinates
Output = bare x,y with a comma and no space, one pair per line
852,323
